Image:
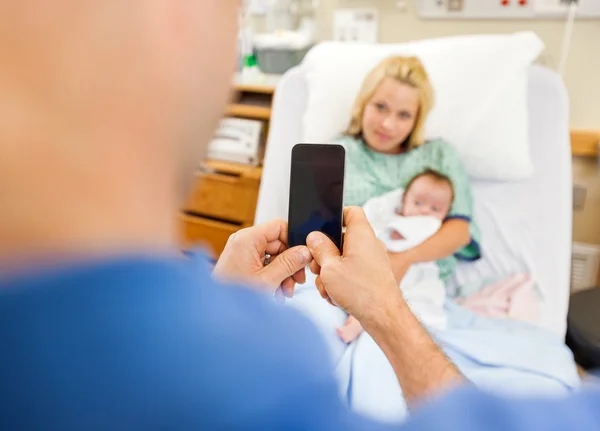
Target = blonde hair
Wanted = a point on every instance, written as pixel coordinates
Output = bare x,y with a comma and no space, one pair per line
405,70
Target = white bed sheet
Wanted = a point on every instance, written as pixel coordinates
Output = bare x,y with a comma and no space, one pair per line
526,225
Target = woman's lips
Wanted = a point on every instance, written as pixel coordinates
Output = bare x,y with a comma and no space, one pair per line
382,136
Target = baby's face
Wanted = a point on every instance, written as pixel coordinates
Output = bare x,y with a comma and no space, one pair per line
427,196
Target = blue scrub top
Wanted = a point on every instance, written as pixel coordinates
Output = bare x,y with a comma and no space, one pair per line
149,343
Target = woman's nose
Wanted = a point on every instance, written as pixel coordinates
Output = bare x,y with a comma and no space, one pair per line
388,122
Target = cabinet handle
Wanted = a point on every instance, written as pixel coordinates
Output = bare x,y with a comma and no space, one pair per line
207,170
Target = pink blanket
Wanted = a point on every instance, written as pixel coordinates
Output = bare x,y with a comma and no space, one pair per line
514,297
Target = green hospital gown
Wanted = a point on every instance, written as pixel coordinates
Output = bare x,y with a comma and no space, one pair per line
370,174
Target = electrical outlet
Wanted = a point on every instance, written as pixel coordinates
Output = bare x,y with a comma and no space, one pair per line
356,25
455,5
402,5
579,197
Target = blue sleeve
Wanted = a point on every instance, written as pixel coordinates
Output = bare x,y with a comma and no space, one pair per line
468,409
273,371
151,346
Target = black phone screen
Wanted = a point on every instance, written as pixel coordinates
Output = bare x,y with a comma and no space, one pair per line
316,192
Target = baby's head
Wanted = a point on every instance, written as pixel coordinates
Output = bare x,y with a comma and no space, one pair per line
428,194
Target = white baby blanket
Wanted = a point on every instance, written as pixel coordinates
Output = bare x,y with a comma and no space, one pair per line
421,287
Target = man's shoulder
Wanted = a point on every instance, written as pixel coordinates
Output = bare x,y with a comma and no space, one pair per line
176,292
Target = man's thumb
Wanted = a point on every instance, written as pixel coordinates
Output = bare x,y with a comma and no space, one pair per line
287,264
321,247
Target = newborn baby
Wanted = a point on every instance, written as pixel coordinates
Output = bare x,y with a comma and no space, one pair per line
403,219
428,194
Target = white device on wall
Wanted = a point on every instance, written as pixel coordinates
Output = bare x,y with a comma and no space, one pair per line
356,25
506,9
238,140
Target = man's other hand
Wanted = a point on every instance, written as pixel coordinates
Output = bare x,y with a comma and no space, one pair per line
243,258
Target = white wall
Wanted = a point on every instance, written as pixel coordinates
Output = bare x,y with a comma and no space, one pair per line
582,75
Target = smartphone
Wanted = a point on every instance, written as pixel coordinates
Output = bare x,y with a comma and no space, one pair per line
316,192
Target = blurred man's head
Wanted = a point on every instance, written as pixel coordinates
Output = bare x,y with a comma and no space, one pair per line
103,101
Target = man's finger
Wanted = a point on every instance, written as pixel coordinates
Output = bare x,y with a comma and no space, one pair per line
286,264
323,291
355,216
315,268
300,276
321,288
322,248
288,286
275,247
274,230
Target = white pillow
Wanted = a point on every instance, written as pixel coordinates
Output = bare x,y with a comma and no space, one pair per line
480,85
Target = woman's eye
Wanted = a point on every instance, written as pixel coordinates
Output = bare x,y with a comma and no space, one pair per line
404,115
380,107
418,203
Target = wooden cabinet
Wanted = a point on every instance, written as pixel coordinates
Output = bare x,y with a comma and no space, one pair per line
223,199
226,192
211,234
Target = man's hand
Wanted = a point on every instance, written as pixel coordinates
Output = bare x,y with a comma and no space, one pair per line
243,258
362,283
360,280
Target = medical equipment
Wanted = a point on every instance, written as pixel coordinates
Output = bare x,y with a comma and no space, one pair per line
275,34
281,14
238,140
506,9
525,225
356,25
278,52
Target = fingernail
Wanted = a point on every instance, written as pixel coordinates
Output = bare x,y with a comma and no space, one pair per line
313,240
305,256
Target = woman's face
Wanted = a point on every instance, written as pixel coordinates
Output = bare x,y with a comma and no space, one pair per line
390,116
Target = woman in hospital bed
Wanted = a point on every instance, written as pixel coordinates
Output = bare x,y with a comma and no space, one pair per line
403,219
385,149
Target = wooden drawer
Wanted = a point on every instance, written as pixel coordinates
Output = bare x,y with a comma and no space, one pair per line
204,232
228,195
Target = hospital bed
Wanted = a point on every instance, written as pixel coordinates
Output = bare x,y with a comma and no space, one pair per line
526,228
525,225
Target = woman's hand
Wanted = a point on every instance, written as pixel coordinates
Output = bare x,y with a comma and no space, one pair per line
452,236
244,258
400,263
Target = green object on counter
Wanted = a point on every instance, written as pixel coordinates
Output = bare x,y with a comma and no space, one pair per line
249,61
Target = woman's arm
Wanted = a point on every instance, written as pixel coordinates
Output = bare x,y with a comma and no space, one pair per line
452,236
